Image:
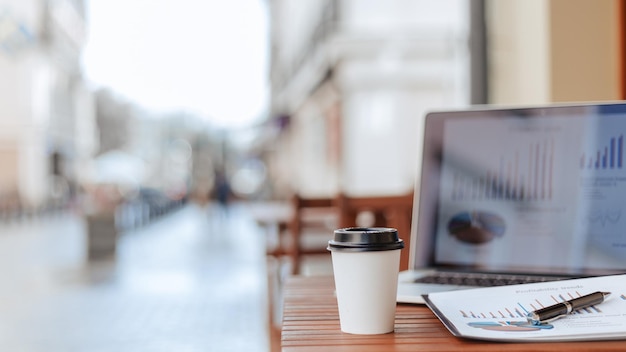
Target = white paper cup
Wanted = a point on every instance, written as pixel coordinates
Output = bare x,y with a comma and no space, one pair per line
365,267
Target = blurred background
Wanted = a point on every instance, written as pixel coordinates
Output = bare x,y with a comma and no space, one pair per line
151,151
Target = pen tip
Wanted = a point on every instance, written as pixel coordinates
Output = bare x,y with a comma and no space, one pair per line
606,294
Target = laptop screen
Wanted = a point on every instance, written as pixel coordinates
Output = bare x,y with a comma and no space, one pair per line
526,190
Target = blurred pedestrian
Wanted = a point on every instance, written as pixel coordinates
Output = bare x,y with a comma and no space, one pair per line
222,189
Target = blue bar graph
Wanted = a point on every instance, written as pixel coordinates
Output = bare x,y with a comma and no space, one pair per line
611,156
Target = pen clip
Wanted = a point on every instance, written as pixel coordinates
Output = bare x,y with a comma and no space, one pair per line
546,321
534,319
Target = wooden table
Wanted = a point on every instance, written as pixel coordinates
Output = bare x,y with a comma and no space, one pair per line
311,323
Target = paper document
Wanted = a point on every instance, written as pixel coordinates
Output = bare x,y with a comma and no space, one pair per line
499,313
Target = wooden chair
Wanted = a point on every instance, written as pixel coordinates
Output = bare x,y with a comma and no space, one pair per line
309,229
388,211
318,217
308,217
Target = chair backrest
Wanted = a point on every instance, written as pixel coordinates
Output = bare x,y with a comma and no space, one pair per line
388,211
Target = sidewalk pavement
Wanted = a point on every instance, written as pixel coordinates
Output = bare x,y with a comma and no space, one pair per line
194,280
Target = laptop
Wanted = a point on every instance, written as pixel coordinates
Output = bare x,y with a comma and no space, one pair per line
514,195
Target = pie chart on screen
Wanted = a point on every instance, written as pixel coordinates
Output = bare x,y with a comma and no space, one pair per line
476,227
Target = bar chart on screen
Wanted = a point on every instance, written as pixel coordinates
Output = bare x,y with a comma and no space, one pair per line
608,156
526,173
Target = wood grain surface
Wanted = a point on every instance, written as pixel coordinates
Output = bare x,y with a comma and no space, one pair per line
311,323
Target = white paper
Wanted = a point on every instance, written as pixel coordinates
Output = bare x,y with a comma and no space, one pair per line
499,313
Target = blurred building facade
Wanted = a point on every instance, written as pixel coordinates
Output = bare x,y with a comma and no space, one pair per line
47,114
543,51
351,80
350,83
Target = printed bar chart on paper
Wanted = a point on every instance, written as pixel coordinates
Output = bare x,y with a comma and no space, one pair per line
500,313
521,309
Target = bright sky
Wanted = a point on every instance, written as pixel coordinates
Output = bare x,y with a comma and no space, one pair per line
204,56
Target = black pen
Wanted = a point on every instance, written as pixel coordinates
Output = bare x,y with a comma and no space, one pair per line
548,314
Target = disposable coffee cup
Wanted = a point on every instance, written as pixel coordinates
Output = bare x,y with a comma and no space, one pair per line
365,267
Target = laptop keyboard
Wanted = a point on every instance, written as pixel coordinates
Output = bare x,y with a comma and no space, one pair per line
482,280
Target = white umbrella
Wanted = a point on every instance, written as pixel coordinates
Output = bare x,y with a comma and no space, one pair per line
119,168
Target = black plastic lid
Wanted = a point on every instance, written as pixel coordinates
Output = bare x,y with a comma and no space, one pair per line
365,239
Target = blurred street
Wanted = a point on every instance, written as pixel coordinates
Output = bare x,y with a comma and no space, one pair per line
193,280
